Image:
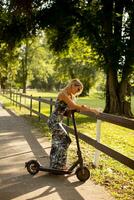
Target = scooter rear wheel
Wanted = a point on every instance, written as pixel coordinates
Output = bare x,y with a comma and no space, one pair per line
32,167
82,174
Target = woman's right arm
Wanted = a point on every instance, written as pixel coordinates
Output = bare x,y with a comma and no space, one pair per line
72,105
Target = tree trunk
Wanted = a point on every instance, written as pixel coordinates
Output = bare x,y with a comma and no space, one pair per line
24,87
24,77
118,95
125,98
112,98
25,67
3,82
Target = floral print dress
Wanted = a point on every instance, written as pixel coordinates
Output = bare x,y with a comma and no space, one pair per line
60,138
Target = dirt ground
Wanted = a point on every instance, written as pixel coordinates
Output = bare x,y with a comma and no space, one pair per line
20,142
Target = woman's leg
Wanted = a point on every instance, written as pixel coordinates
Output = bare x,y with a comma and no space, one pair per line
58,154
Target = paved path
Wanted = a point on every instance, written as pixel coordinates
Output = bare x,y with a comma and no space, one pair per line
19,142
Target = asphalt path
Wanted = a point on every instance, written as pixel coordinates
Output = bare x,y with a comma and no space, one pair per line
20,142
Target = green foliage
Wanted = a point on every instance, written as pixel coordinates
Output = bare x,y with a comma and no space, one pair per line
8,65
36,63
99,22
41,65
77,62
41,68
107,26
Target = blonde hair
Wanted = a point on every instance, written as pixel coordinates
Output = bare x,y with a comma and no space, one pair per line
74,82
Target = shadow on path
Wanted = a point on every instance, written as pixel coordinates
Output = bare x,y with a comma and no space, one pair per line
30,188
26,186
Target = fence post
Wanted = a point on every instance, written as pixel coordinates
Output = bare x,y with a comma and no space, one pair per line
16,99
20,101
25,100
13,98
30,105
98,134
10,96
51,105
39,109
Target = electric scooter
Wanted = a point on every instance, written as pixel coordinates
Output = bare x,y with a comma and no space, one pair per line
82,172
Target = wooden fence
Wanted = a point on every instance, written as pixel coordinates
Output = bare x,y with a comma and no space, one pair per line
16,98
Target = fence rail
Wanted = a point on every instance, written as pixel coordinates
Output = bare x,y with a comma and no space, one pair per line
16,98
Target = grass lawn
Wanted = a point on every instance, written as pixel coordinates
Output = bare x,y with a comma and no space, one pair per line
95,100
116,177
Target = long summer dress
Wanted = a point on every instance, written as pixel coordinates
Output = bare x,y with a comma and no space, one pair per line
60,138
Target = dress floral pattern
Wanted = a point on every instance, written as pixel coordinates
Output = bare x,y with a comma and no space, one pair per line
60,138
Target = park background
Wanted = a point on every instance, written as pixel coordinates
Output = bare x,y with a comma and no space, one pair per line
44,44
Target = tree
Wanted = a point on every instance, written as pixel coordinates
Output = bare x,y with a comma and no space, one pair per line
107,25
41,65
77,62
36,63
8,66
22,74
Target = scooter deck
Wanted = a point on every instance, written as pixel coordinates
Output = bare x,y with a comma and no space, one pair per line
54,171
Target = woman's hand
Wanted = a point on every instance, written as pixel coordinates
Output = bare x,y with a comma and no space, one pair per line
86,108
95,111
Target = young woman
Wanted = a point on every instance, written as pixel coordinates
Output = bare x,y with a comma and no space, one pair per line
60,138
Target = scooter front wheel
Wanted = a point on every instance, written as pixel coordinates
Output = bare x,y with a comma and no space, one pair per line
32,167
82,174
